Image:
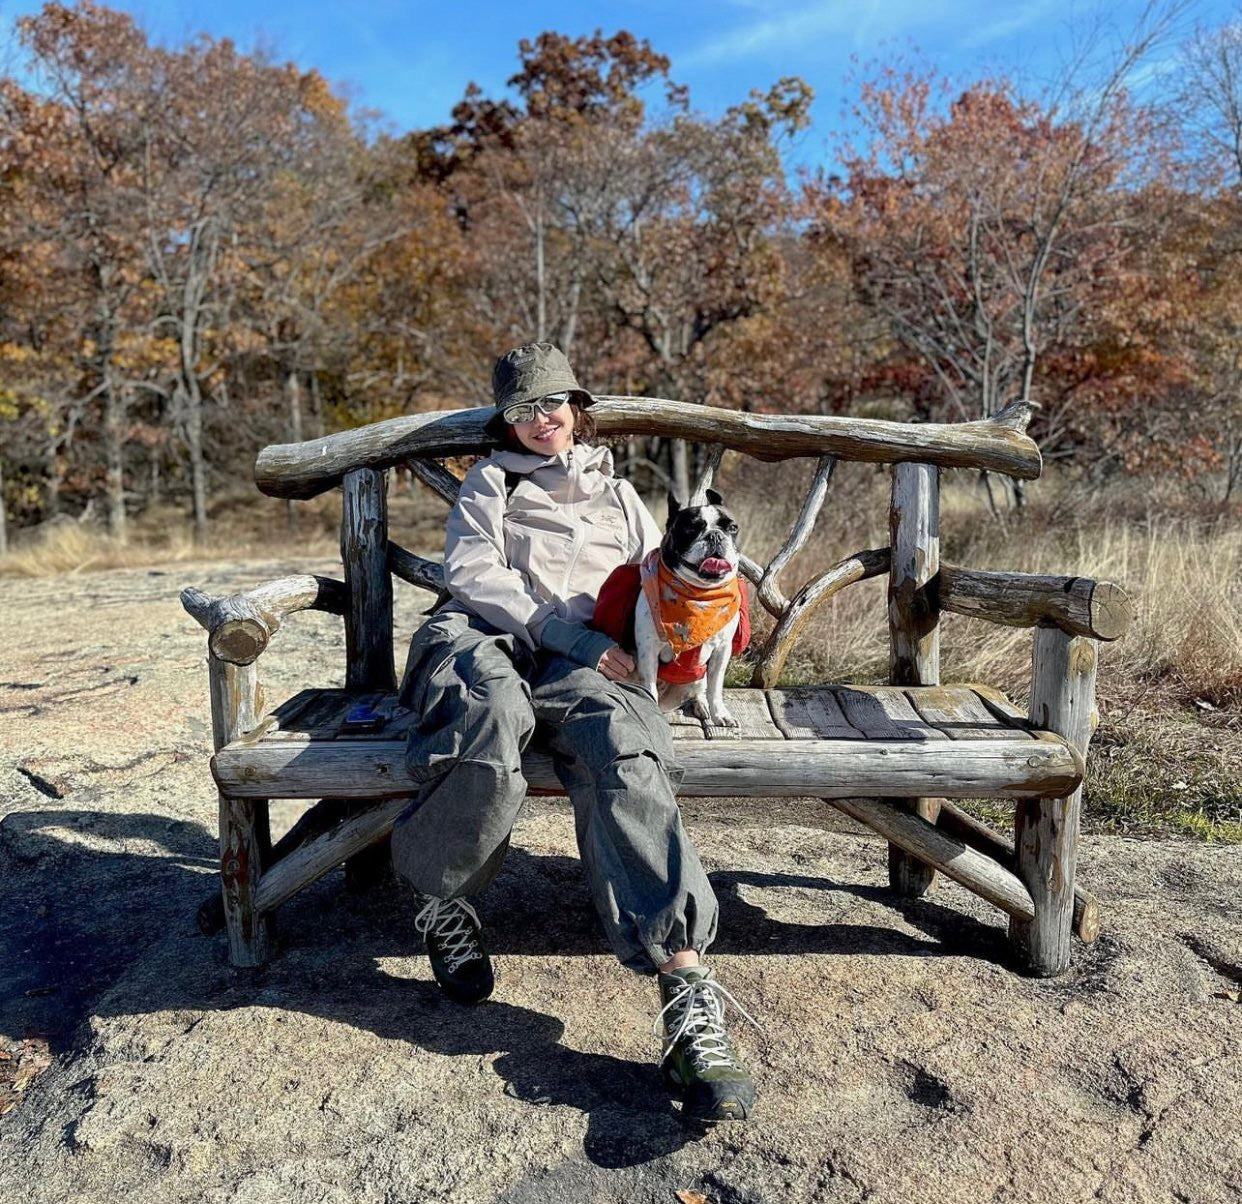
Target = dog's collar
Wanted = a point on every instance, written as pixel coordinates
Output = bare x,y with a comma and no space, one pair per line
686,615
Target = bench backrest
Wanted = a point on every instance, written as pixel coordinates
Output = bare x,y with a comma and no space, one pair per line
357,461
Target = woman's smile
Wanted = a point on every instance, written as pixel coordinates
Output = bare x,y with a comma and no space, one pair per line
548,434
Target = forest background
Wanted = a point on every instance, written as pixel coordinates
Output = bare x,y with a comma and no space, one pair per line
203,251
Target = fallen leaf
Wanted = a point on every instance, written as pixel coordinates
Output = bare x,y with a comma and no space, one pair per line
1235,996
692,1197
5,1056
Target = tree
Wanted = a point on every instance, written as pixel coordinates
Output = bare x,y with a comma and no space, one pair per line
992,231
78,156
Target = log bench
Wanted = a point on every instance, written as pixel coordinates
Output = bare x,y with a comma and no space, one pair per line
891,756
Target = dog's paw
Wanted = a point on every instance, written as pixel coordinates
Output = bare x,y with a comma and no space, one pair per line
697,706
721,716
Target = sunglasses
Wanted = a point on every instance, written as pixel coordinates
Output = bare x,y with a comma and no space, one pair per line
525,411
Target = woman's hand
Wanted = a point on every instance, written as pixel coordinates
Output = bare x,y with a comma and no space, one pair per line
615,664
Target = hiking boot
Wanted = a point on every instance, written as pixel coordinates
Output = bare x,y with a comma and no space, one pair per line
699,1061
455,946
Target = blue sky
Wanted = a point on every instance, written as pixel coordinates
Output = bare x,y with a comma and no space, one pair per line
412,60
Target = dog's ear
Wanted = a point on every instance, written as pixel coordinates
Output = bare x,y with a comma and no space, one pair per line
673,506
714,499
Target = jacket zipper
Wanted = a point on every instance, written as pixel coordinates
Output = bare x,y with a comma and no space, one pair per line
575,552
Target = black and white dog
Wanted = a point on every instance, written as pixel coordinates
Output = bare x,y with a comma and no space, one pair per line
696,590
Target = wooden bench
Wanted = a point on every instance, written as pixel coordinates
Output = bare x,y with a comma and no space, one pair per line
890,756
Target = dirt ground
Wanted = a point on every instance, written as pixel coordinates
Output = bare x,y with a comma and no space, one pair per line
900,1056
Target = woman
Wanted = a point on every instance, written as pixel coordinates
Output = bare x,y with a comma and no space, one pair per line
536,529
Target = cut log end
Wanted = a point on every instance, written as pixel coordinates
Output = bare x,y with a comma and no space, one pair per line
239,641
1112,612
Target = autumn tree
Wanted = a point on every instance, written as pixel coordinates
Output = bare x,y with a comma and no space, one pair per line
76,153
1207,100
992,230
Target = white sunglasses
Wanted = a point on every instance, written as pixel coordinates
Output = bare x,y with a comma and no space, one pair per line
524,411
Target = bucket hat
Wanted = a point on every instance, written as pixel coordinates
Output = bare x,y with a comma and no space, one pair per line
527,373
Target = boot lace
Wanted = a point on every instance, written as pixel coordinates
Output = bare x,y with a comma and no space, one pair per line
697,1012
455,925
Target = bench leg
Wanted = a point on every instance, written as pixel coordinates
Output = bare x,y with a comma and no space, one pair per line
1046,830
1046,849
907,875
245,847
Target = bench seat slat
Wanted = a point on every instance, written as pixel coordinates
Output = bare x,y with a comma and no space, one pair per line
960,714
884,713
810,713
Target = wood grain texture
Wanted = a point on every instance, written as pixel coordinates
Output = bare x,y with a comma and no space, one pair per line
930,846
364,553
792,621
978,835
375,768
1046,831
245,836
1078,605
914,629
998,444
240,626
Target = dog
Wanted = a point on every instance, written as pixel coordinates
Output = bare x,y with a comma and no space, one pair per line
690,590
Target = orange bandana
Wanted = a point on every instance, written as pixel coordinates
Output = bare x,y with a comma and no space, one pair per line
686,615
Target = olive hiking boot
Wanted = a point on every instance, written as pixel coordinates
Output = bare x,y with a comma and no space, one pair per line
699,1061
455,946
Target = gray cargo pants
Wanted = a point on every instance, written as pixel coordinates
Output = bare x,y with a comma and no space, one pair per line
479,696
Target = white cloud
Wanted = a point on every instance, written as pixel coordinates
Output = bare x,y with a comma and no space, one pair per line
853,23
1021,18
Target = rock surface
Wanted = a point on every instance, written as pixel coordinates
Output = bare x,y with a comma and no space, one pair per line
900,1058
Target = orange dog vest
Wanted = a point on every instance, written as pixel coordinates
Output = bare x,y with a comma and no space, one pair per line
687,616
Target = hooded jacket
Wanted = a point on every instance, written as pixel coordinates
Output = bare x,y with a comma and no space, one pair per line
530,560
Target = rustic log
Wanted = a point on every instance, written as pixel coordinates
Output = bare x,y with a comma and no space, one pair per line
1002,768
436,477
240,626
1078,605
364,552
245,838
774,602
1046,830
417,570
928,845
322,817
812,504
913,628
998,444
978,835
311,861
798,611
707,475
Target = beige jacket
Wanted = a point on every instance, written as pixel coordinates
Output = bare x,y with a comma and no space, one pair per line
532,562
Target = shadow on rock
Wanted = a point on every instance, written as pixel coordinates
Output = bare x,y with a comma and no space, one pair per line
100,921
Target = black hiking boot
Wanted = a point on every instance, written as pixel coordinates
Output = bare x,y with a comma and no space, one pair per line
699,1061
455,946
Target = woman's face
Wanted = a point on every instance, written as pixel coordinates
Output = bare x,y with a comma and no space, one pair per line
547,434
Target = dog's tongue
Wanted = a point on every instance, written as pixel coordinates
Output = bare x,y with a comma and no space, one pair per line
715,565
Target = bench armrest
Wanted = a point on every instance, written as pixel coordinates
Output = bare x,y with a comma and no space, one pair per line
1077,605
239,626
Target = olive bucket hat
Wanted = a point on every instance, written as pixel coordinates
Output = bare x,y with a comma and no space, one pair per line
527,374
